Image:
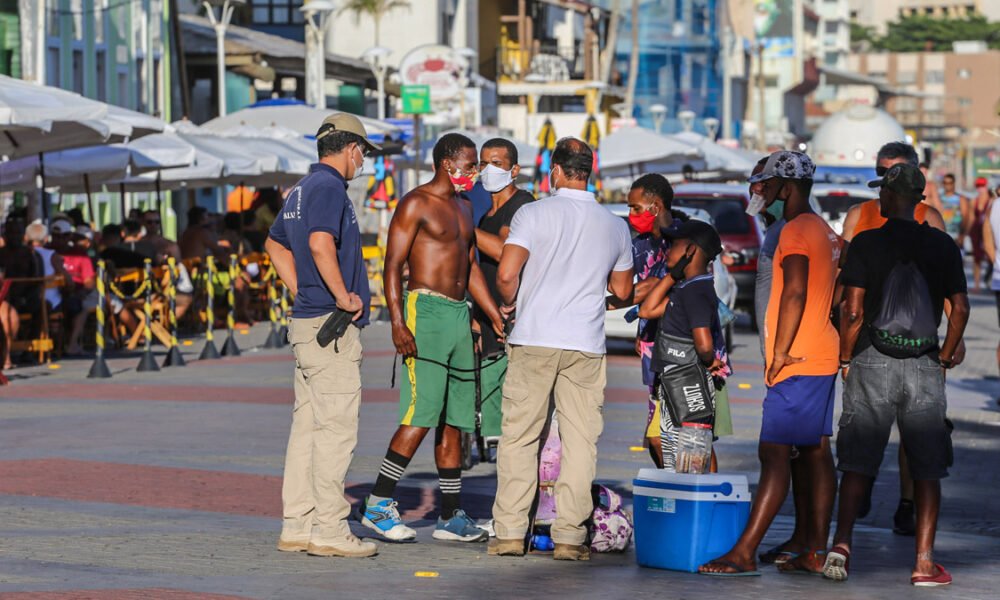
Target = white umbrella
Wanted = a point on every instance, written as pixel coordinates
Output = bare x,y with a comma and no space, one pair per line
36,118
302,118
718,158
646,150
128,124
65,168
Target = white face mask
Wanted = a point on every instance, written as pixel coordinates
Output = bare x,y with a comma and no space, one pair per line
358,169
495,179
756,205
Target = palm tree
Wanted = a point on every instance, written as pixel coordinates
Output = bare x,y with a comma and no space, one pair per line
376,9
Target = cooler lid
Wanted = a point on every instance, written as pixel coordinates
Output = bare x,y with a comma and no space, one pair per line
726,484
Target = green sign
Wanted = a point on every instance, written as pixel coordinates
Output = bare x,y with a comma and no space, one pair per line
416,99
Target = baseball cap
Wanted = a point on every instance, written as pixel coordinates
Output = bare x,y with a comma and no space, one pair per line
981,182
786,164
701,233
60,226
345,122
904,179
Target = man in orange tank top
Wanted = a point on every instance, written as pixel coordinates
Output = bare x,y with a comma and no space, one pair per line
866,216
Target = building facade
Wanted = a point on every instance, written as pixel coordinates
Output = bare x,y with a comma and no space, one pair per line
878,13
115,52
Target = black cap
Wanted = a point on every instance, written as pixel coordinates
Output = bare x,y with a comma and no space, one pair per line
904,179
701,233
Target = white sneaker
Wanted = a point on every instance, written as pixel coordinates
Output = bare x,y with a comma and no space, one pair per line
383,518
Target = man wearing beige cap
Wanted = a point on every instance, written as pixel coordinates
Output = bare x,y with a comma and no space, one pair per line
315,245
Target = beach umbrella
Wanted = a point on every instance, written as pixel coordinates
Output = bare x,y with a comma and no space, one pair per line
633,150
36,118
592,135
543,162
302,118
726,161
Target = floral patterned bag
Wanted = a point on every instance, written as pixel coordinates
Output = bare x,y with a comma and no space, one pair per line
611,525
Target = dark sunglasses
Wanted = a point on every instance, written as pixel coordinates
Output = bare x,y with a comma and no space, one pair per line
150,222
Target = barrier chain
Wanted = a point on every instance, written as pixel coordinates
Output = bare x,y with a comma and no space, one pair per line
230,348
174,357
148,361
209,351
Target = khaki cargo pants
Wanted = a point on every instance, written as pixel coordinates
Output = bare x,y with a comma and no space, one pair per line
577,380
324,433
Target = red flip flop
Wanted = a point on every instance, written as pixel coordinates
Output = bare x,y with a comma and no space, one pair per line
942,578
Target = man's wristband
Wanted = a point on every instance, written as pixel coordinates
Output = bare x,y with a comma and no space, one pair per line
845,364
947,363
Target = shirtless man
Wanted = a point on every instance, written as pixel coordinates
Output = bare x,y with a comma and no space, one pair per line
153,223
199,239
432,232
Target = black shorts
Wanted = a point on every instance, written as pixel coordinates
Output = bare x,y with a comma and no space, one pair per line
998,307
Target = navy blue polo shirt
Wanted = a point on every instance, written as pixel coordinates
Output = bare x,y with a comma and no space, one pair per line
319,202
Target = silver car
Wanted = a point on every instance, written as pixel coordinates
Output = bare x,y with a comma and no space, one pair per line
615,325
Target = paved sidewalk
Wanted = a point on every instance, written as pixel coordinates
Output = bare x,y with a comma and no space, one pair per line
167,485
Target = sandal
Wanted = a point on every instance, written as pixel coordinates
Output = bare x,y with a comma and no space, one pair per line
800,564
776,555
737,570
942,578
838,562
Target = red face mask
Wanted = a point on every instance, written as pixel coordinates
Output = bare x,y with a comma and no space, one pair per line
463,182
642,222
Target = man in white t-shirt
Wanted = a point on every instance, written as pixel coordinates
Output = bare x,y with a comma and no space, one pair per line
561,258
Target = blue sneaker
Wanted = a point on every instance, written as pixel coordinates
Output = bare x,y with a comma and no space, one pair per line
383,519
459,528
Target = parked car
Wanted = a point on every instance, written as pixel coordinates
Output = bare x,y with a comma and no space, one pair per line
615,325
832,201
741,233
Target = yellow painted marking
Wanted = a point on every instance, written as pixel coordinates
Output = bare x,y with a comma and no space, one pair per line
636,449
745,386
55,367
244,332
187,343
426,574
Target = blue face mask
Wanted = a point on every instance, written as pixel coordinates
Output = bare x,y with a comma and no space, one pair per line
776,210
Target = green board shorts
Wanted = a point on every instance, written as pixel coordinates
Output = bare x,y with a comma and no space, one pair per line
492,374
441,379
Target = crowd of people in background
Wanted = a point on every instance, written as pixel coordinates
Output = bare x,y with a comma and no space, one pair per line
69,248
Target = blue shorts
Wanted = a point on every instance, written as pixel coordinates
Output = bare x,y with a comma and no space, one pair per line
799,410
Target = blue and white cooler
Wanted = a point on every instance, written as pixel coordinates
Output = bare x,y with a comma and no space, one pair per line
683,520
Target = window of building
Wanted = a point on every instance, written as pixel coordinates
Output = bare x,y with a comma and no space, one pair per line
964,73
831,27
965,102
831,58
906,104
277,12
101,66
906,77
933,77
932,104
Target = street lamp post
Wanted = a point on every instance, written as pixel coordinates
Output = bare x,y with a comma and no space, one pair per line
469,55
375,57
659,112
220,24
317,17
686,117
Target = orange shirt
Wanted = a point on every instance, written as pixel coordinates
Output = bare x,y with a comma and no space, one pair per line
871,216
816,340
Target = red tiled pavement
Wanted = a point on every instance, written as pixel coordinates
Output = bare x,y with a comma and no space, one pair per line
139,485
240,394
118,594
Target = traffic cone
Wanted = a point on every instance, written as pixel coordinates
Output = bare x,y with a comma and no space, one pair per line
147,362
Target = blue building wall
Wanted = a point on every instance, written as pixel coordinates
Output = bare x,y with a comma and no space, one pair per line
678,59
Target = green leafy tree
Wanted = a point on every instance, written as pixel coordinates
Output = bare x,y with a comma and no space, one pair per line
920,33
376,9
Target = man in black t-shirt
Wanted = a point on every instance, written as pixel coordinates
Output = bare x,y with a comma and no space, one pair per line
498,169
880,388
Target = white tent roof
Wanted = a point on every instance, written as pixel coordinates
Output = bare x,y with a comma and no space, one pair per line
66,168
36,118
301,118
635,146
718,158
